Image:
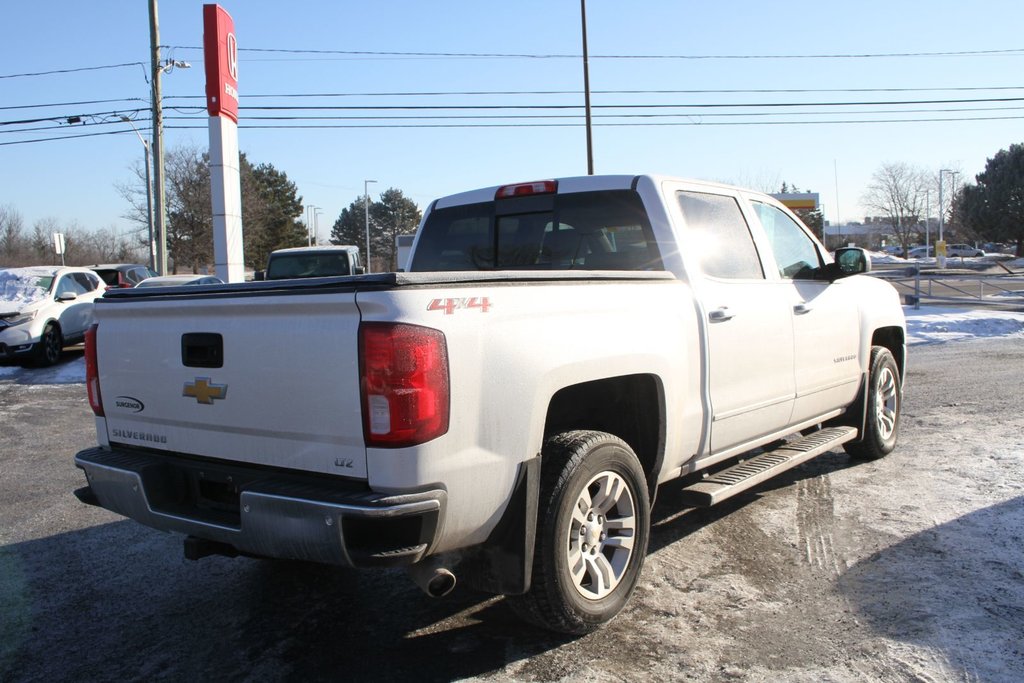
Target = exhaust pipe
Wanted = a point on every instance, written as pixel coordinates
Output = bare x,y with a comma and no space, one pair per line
433,580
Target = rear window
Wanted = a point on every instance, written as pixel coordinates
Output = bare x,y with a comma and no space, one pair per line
109,277
580,231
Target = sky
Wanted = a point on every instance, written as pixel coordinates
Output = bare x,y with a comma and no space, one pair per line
644,57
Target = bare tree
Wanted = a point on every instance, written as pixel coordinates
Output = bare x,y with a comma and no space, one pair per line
897,193
14,247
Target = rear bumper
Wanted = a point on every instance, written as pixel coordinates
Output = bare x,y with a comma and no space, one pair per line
264,512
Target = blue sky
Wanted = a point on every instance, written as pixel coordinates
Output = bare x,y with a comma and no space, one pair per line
73,180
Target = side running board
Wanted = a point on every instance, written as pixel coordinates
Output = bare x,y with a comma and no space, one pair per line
738,478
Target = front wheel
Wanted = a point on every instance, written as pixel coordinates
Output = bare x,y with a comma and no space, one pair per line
50,346
884,398
593,526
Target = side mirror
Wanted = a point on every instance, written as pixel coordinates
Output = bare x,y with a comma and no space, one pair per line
360,270
850,261
67,296
259,275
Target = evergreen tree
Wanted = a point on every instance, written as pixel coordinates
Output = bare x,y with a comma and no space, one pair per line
994,207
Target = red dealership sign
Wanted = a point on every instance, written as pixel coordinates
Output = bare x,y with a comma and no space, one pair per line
220,49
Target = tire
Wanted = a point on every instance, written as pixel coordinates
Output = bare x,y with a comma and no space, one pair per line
884,400
50,345
593,525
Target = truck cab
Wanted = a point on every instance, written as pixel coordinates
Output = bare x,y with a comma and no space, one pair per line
300,262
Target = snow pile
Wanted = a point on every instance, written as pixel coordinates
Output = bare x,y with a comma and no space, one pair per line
933,324
882,257
20,287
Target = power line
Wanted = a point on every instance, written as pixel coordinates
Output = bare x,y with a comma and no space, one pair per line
97,117
488,93
580,123
576,124
77,69
705,105
511,55
72,104
67,137
521,117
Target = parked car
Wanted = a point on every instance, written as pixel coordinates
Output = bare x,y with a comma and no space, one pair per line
921,252
122,275
179,280
963,250
43,309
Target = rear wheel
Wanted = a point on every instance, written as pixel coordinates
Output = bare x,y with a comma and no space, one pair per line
593,526
50,345
884,398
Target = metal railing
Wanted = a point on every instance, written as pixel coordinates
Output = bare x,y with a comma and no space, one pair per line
954,288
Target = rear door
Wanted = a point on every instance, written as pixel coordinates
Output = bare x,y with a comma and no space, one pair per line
268,378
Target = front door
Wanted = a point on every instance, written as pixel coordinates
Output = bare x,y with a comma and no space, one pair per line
748,322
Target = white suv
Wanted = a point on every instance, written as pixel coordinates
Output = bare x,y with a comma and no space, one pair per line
963,250
44,308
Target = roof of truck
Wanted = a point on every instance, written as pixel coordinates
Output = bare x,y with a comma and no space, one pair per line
316,250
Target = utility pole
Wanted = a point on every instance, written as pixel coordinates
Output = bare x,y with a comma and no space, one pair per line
366,216
586,89
160,222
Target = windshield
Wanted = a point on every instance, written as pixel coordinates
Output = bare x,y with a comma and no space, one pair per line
20,288
606,230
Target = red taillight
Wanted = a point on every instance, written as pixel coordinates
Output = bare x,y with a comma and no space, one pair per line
404,384
525,189
92,371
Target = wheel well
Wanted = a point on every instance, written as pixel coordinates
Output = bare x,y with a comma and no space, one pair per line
630,407
892,338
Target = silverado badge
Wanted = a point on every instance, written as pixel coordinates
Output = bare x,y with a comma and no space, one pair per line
204,391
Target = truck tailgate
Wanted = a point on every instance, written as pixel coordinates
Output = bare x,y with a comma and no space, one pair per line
267,378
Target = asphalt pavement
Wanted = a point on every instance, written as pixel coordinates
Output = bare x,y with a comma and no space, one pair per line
838,571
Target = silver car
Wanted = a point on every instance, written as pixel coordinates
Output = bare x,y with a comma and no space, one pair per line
43,309
963,250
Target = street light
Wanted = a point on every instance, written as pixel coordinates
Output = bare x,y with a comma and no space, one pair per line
366,216
310,208
942,212
149,194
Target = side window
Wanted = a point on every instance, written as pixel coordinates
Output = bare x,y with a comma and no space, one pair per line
795,254
68,285
721,235
85,281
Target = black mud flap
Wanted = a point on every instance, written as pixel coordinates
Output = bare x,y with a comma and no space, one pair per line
504,563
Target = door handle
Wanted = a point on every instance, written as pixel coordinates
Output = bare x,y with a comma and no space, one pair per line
802,308
721,314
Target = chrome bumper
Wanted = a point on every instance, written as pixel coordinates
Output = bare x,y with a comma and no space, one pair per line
267,513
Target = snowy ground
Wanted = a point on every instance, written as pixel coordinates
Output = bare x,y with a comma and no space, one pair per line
908,568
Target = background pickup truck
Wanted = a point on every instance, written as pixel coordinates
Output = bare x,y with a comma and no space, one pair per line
505,411
325,261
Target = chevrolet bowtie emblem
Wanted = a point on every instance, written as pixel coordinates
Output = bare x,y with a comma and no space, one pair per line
203,391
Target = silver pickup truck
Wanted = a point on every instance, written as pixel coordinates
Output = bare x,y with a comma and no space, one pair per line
505,411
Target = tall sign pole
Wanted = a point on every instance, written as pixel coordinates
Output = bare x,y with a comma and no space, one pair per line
220,50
